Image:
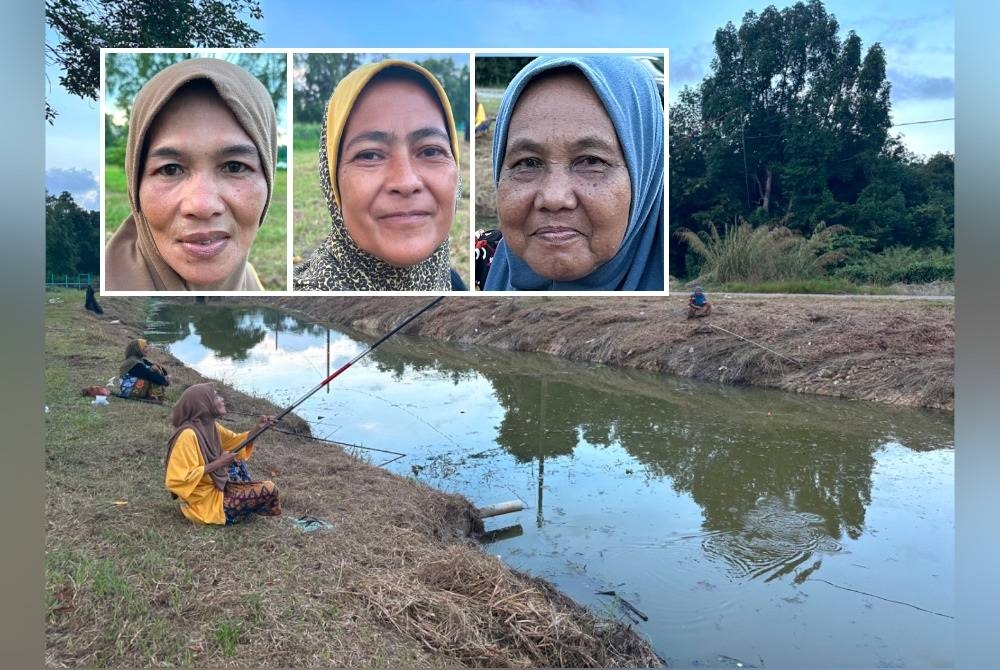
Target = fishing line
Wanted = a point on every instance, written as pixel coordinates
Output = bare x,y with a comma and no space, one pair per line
260,431
403,409
756,344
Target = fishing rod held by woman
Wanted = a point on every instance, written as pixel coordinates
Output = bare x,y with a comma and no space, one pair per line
578,170
210,480
389,161
199,161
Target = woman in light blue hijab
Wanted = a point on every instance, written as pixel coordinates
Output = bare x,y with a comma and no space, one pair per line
578,167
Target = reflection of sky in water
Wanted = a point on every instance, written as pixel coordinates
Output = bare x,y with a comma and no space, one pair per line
725,524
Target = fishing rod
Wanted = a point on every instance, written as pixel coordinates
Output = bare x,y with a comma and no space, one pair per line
337,372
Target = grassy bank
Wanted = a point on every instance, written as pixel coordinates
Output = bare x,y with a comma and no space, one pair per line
396,582
268,254
312,219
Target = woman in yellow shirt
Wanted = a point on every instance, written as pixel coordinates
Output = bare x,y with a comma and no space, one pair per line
211,481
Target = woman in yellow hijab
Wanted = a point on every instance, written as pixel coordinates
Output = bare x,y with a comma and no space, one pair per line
389,170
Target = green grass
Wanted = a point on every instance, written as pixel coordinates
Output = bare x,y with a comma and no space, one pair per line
311,219
821,285
226,635
268,254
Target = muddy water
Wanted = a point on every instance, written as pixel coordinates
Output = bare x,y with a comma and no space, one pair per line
751,528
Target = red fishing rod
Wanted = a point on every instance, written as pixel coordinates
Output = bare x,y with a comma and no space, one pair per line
337,372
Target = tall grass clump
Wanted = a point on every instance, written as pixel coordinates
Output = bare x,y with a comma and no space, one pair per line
743,253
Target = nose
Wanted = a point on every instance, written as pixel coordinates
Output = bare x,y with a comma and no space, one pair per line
555,191
201,198
402,176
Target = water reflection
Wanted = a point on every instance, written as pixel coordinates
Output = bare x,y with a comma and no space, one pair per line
631,472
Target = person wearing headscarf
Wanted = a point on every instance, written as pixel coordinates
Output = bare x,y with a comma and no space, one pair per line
139,377
578,168
202,471
199,164
698,303
389,160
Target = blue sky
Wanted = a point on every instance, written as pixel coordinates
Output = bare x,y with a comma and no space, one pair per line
918,36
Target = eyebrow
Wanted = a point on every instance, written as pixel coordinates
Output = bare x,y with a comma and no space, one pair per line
583,143
225,152
382,137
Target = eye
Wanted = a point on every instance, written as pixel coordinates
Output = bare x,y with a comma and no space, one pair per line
235,167
433,151
590,164
367,156
168,170
529,163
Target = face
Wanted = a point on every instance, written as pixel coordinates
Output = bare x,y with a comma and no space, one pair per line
564,192
219,405
396,173
202,189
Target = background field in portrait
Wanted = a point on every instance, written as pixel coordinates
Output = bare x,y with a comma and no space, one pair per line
315,76
125,73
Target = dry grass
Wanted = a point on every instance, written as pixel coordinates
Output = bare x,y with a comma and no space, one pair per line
396,582
883,350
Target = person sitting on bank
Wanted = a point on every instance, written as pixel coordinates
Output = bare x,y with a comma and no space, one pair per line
202,470
141,379
698,304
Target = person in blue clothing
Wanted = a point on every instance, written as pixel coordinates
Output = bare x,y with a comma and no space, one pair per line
698,304
141,379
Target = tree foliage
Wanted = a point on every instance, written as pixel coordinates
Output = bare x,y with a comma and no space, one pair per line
125,74
791,128
85,26
72,243
497,71
317,75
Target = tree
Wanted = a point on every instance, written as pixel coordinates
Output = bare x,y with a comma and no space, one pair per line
71,236
85,26
316,77
791,128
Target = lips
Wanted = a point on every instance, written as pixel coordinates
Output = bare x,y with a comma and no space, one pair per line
410,217
556,234
204,245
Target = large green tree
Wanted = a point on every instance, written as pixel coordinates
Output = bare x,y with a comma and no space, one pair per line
83,27
71,236
791,126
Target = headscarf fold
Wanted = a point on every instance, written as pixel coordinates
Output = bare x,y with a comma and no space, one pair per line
195,409
339,264
132,262
633,104
133,355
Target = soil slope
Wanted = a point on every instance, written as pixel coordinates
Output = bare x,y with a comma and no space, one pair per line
892,351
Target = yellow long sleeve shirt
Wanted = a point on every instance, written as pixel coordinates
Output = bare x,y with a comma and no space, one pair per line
200,500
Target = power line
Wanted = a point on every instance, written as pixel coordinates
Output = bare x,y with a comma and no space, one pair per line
913,123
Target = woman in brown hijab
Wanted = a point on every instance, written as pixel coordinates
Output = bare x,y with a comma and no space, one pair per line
211,481
199,162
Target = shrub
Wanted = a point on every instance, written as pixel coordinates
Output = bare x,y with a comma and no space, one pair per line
902,265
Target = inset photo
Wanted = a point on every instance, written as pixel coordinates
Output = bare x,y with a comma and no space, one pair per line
194,189
569,172
380,202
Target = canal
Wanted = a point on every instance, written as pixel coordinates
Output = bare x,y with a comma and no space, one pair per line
751,528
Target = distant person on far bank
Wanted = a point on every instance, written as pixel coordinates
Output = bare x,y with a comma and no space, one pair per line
698,304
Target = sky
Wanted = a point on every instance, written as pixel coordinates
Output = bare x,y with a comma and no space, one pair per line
918,38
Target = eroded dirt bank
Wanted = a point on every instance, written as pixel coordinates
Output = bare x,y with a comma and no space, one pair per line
897,352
